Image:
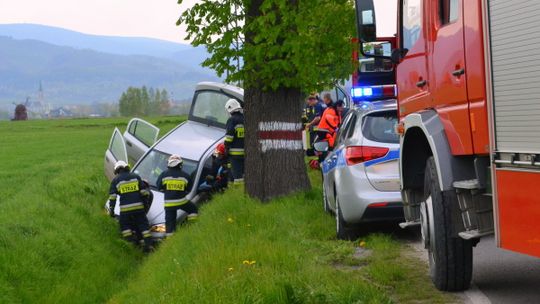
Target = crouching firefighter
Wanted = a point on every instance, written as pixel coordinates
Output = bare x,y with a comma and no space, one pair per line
174,182
129,187
218,178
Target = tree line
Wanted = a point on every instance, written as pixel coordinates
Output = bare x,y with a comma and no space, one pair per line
143,101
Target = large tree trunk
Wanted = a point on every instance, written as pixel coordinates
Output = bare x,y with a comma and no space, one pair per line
274,156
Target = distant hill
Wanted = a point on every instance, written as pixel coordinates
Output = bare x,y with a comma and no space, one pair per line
183,53
74,75
106,44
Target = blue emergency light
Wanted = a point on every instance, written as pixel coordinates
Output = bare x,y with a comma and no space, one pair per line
374,92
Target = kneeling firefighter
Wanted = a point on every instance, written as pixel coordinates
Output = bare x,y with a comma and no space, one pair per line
218,177
130,188
175,183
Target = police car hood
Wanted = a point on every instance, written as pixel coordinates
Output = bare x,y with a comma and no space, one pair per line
190,140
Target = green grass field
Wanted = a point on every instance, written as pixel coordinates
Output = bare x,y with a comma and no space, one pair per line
58,246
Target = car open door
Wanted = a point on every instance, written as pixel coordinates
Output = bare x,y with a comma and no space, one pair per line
115,152
139,136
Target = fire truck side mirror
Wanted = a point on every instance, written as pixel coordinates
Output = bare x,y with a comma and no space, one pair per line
365,20
398,55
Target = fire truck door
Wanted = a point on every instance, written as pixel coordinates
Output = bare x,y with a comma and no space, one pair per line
448,68
412,71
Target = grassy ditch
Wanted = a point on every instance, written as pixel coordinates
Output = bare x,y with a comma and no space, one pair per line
242,251
56,244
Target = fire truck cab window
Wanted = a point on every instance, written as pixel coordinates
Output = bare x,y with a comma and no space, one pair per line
448,11
412,22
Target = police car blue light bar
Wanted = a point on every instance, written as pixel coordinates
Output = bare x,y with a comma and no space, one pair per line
374,92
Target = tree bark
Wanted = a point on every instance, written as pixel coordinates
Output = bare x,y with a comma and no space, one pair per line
274,160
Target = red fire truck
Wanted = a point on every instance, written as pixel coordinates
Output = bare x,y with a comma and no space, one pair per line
468,78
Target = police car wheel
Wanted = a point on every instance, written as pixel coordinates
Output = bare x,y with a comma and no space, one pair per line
343,232
326,208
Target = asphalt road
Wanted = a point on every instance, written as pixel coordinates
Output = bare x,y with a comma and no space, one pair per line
499,276
504,276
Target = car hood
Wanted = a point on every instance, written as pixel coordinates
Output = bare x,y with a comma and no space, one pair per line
190,140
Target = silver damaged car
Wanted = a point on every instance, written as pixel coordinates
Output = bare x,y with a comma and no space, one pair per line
194,140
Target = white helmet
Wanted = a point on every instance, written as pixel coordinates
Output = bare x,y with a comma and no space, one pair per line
233,105
120,165
174,160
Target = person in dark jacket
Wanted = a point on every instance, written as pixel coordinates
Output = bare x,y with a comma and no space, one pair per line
312,115
176,184
130,188
234,139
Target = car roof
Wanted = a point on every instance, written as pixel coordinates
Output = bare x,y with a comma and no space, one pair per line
190,140
216,86
366,108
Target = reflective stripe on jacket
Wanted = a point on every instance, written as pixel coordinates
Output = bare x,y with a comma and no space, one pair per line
175,184
234,136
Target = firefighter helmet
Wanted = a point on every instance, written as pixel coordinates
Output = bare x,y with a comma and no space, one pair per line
174,160
120,165
233,105
220,149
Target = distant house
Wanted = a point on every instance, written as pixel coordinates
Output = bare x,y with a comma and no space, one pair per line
60,112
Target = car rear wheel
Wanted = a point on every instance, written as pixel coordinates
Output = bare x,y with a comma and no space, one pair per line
343,231
450,257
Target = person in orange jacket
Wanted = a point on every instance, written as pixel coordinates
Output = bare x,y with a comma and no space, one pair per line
329,123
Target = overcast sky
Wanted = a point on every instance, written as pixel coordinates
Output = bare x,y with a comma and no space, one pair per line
139,18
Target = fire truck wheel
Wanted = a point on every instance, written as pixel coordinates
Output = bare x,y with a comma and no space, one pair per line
450,258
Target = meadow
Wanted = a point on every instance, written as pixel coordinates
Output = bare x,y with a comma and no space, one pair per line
57,245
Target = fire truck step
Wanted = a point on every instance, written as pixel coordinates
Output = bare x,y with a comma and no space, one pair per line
409,224
469,184
474,234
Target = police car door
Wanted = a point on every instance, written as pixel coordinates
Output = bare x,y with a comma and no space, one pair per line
139,136
332,162
115,152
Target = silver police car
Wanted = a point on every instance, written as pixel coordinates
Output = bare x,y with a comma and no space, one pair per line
360,176
194,140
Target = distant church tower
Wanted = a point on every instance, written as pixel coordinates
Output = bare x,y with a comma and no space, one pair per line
40,95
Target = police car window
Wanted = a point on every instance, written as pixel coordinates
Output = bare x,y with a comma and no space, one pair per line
380,127
342,96
209,106
155,162
343,129
352,128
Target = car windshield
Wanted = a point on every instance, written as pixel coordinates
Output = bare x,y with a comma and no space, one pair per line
155,162
209,108
379,127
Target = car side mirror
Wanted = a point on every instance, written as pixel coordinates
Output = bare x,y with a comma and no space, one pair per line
321,146
398,55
